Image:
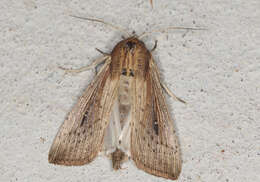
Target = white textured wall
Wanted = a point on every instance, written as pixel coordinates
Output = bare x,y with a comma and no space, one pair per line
216,71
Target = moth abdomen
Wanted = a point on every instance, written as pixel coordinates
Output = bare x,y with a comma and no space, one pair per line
117,158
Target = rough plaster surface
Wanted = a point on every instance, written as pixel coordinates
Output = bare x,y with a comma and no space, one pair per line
216,71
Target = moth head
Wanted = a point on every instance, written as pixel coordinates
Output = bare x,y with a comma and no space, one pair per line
133,43
130,47
130,57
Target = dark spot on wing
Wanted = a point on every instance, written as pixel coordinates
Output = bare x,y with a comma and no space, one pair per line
155,127
155,119
85,118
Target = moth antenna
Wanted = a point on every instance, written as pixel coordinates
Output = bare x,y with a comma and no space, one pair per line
167,29
101,21
102,52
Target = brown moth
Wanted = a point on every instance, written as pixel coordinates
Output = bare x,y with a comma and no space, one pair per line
123,114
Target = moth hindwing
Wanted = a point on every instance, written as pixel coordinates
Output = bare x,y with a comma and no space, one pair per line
122,113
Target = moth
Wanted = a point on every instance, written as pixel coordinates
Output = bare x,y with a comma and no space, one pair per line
122,113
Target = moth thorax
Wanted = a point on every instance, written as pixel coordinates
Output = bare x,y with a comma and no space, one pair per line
124,95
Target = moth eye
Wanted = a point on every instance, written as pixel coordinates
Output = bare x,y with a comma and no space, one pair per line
130,45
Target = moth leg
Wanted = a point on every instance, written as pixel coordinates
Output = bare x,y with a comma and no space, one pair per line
154,47
170,93
85,68
151,2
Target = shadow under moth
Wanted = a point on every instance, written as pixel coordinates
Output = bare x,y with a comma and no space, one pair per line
122,114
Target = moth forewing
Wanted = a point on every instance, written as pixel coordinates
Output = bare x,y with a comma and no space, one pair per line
154,145
80,137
